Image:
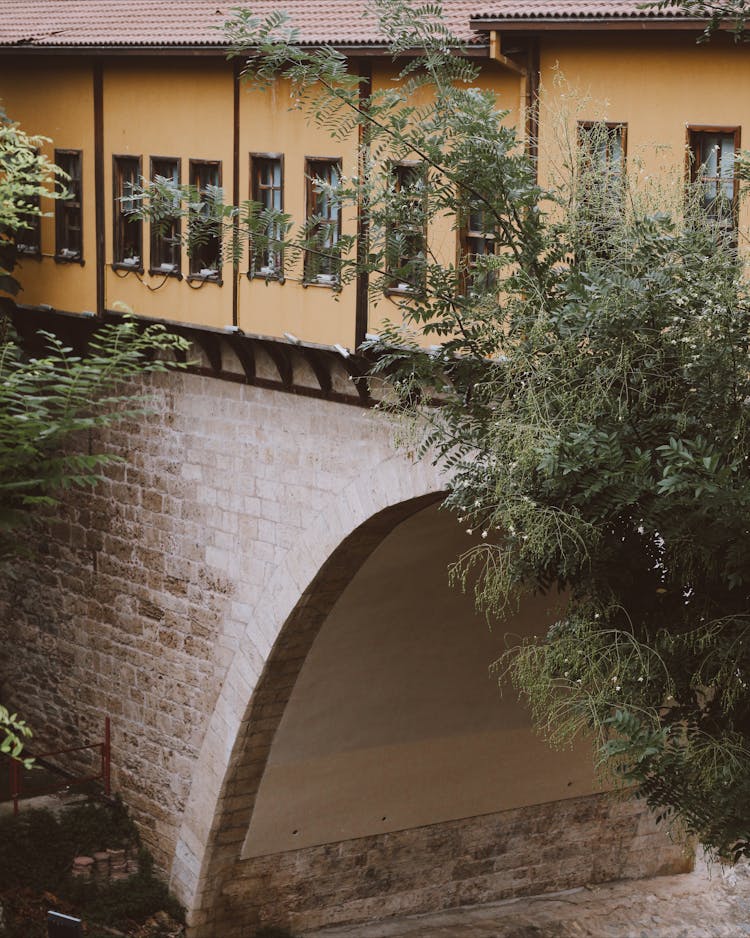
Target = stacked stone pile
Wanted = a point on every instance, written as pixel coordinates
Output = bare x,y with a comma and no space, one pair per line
106,866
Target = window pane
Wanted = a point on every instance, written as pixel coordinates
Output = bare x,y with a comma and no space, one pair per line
712,167
128,233
205,228
322,259
266,257
68,214
406,237
165,226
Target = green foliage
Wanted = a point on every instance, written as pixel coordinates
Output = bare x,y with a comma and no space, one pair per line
38,851
593,374
25,175
49,406
14,731
49,403
131,900
79,830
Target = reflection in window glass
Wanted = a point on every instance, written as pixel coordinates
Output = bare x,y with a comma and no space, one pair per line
323,256
165,225
128,233
267,259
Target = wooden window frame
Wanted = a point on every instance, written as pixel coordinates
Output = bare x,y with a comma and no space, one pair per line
692,164
255,160
600,188
63,253
158,238
395,285
120,218
312,276
583,127
465,235
192,273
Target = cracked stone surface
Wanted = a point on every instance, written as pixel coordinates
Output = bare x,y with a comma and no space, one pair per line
710,902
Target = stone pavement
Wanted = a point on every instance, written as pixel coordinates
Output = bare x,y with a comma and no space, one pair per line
708,903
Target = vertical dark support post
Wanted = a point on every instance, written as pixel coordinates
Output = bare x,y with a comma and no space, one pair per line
99,183
532,102
235,188
363,211
107,757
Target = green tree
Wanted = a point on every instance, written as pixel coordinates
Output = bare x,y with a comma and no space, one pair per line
591,363
51,403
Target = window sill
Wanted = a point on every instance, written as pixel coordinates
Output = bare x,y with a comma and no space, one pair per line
62,259
268,278
118,265
198,278
31,253
324,284
158,272
402,291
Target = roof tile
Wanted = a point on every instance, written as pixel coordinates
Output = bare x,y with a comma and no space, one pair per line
52,23
573,9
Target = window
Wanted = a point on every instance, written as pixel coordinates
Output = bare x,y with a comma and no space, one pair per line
406,239
266,174
602,150
68,212
712,153
165,225
29,239
476,241
601,184
205,229
323,256
128,232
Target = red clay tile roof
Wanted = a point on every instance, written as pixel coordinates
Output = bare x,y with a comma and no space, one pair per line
573,10
52,23
144,23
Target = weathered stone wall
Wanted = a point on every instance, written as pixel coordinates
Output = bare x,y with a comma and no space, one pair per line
521,852
157,597
206,561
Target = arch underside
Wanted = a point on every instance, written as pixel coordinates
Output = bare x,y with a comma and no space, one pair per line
380,772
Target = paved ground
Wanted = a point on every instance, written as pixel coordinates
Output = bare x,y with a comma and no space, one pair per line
703,904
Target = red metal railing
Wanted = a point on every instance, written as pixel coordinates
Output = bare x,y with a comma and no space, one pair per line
16,778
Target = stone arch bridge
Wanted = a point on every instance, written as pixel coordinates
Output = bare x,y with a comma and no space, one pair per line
303,721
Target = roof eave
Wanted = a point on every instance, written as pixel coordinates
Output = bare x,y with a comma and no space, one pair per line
354,50
549,23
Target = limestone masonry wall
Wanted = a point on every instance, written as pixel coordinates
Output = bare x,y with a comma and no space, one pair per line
158,597
134,602
521,852
144,596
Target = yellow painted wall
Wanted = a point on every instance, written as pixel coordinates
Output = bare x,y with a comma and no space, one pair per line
312,313
657,84
183,107
172,108
54,97
442,236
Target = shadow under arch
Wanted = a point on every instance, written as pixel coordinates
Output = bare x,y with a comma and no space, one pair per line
482,810
213,905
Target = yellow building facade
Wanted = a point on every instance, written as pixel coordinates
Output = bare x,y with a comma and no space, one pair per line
121,96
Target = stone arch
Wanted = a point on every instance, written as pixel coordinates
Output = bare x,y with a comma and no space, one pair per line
290,611
474,808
